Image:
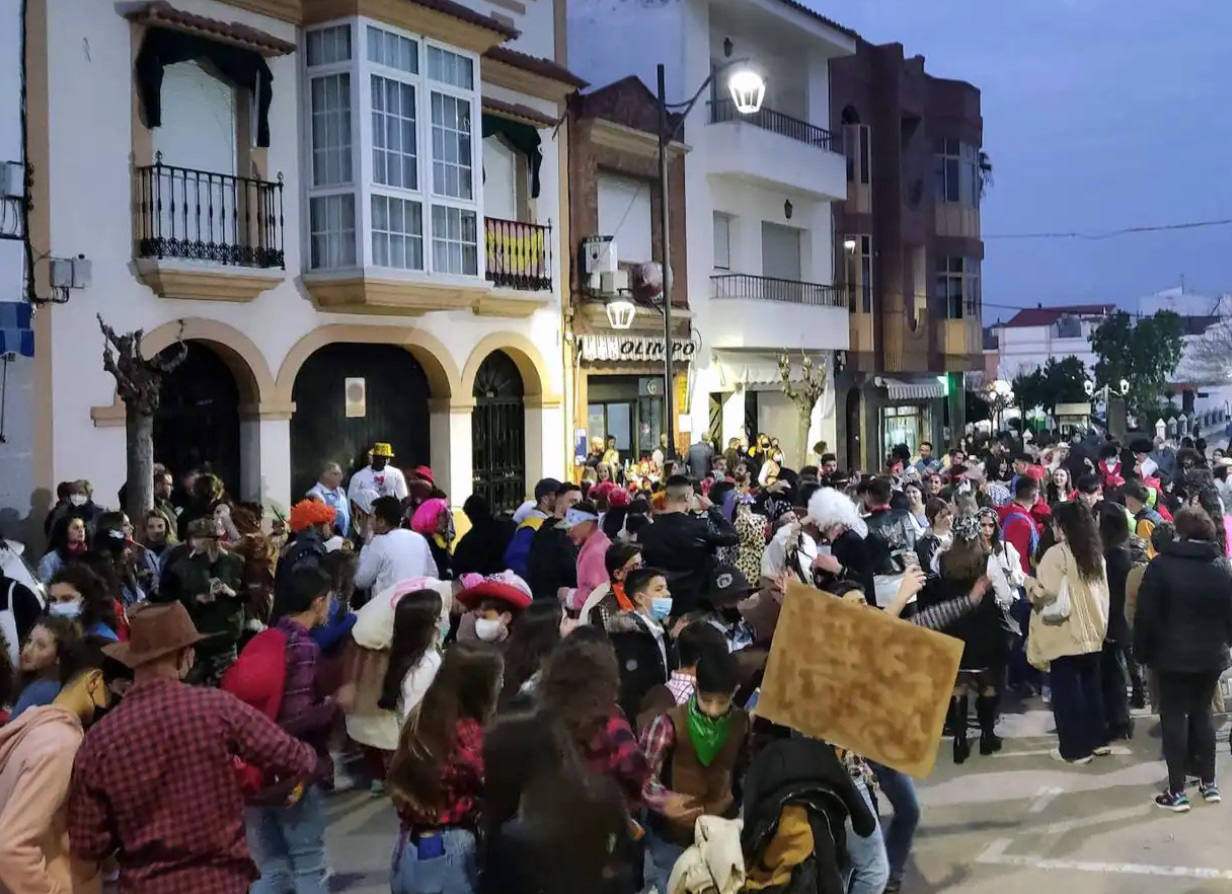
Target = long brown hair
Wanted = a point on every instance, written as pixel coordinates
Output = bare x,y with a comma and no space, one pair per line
416,617
965,562
581,683
465,687
1078,525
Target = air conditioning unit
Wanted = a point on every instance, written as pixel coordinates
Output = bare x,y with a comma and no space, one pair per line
614,283
599,254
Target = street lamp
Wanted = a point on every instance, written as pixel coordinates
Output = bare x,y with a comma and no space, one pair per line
620,313
748,89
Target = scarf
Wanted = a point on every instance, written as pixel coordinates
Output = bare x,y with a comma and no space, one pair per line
626,604
708,734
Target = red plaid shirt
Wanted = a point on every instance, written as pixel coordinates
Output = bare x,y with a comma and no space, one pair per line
613,751
153,784
461,783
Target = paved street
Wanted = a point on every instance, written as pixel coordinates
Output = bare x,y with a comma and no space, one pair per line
1015,823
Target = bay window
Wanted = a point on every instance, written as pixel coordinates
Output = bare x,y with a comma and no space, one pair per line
412,190
958,285
956,172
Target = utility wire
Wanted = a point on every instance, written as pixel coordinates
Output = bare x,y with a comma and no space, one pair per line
1124,231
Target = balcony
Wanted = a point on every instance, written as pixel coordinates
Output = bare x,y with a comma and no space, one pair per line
518,255
777,151
767,312
207,235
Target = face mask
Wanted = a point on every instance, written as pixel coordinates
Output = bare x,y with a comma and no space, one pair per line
442,628
660,607
65,609
488,630
78,499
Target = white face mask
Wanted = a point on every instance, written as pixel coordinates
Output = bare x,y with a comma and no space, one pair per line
78,499
488,629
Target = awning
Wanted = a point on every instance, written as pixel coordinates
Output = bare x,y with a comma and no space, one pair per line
759,370
921,389
16,336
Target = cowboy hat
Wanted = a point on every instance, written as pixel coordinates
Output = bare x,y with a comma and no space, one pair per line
155,631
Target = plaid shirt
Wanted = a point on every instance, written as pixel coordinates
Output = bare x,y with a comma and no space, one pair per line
613,751
302,714
657,742
461,783
153,783
681,686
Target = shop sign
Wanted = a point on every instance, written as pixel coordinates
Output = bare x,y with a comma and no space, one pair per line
633,348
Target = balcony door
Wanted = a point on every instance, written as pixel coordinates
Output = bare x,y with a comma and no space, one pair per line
780,262
500,179
197,138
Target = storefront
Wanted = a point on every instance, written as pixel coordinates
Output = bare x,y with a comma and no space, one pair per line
620,388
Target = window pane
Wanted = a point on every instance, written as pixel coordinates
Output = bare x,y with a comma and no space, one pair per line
330,99
722,241
451,146
394,50
393,133
397,232
450,68
327,45
454,240
332,231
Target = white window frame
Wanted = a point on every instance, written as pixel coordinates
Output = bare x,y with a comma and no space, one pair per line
727,220
363,186
311,191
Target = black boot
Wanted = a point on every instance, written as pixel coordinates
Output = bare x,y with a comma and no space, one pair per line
961,749
986,711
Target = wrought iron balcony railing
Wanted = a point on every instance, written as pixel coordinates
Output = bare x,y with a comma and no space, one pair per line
768,119
518,254
770,288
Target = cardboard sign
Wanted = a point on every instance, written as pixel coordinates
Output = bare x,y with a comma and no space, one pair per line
860,679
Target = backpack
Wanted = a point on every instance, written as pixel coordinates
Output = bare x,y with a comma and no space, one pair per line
1035,535
258,678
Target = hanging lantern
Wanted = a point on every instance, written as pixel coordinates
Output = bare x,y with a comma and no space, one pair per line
620,313
748,89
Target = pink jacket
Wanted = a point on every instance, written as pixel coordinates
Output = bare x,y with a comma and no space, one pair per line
591,567
36,763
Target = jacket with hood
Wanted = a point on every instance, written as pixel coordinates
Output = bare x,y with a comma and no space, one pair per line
1183,621
36,763
683,544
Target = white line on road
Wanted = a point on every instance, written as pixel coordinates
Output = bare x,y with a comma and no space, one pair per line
995,854
1112,816
1043,798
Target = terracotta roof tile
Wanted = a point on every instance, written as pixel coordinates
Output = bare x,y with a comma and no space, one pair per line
842,29
518,112
537,64
1046,316
162,14
466,14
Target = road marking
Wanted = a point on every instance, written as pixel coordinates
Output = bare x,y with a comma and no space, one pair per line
1043,798
1117,750
1112,816
995,854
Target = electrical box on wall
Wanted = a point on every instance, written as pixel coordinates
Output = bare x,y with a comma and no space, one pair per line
13,180
599,255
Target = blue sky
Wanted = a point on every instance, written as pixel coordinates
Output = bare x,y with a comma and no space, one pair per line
1098,114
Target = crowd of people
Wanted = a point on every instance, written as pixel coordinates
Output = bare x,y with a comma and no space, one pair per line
562,697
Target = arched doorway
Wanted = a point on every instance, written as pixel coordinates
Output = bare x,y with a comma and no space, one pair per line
854,406
336,423
198,419
498,432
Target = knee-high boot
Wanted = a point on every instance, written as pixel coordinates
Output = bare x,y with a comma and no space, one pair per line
986,711
962,750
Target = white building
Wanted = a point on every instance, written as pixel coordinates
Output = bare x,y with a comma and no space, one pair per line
1031,336
759,192
377,257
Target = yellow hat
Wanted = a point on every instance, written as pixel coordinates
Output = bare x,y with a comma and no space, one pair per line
380,448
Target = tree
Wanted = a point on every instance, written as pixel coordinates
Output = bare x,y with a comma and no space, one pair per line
1143,354
1031,390
804,394
1056,382
138,382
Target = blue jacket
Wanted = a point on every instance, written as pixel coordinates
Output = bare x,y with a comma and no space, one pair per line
517,553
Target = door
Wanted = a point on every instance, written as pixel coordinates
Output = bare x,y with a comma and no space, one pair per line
498,432
500,179
780,261
198,420
854,405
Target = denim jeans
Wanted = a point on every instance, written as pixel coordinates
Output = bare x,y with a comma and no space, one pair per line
661,857
869,870
1078,704
454,871
288,845
900,832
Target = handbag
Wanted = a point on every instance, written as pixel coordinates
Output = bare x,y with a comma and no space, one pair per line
1058,610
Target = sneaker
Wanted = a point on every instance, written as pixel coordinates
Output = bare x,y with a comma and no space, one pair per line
1176,802
1102,751
1056,756
1209,792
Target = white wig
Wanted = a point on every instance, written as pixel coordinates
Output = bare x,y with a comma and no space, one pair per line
829,507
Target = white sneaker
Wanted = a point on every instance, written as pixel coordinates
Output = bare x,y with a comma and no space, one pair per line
1055,754
1102,751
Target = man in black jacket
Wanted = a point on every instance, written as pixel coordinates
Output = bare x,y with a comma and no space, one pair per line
552,563
682,541
890,541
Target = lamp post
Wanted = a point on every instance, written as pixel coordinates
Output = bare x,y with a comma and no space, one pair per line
1122,390
748,89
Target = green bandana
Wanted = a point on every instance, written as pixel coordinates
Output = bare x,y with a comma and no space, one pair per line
708,734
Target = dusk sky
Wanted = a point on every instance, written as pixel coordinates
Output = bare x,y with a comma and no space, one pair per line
1098,115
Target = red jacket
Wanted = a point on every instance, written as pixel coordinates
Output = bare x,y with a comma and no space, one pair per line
1021,529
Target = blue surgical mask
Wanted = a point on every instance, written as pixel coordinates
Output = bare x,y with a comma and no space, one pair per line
65,609
660,607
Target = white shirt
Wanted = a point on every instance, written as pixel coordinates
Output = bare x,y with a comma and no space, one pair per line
1005,573
396,556
389,482
416,682
774,559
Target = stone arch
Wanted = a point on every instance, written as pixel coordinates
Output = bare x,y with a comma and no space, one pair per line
535,381
431,354
241,356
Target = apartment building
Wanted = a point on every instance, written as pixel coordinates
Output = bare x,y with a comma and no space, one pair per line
908,243
760,188
353,213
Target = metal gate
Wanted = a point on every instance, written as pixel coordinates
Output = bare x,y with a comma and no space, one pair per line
498,431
